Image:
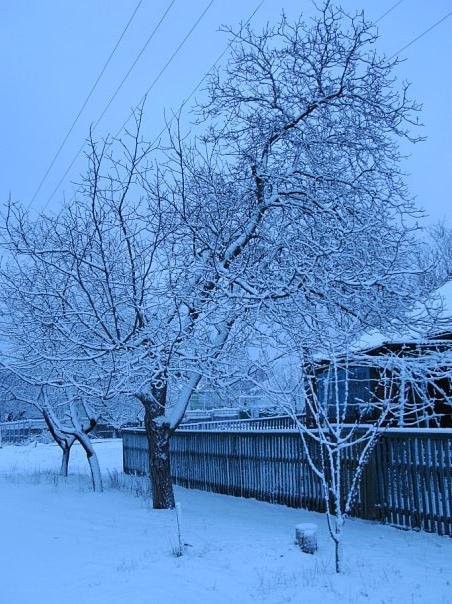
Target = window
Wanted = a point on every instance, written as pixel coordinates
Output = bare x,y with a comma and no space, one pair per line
355,395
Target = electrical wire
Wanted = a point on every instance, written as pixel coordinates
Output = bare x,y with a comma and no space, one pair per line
421,35
413,41
137,58
156,79
158,76
212,67
85,102
186,100
388,11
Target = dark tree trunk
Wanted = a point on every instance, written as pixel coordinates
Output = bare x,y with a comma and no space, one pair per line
160,468
66,448
64,441
158,433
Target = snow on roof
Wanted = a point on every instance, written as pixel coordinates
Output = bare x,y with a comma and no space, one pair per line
445,292
375,338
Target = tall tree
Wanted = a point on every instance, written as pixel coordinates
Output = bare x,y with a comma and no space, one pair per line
286,197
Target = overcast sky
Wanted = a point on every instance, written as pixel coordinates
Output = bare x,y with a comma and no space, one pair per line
53,50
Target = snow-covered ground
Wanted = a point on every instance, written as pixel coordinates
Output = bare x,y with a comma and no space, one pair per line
62,543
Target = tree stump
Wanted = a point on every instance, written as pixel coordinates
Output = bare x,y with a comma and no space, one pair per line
306,537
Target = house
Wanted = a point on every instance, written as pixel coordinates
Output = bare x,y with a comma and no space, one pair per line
418,370
422,369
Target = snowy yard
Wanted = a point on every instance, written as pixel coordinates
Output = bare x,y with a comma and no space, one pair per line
60,542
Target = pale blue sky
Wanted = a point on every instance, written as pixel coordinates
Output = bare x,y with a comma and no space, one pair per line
52,50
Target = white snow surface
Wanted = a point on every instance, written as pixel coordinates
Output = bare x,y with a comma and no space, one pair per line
60,542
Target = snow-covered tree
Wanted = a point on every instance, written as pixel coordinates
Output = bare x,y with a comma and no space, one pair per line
117,294
68,417
284,201
313,115
350,397
434,257
37,373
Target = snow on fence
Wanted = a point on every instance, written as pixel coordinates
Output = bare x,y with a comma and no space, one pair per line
201,415
275,422
407,483
20,430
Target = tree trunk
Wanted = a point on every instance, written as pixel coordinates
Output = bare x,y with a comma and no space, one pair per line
66,448
96,476
338,556
338,543
160,467
64,441
335,530
158,433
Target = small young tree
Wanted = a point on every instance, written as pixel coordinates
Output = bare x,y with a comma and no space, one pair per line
350,397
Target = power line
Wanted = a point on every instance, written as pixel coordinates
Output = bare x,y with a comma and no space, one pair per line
137,58
421,35
156,79
112,98
413,41
388,11
220,56
85,102
158,76
212,67
193,91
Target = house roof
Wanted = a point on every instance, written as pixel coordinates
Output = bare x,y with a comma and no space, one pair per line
375,339
445,316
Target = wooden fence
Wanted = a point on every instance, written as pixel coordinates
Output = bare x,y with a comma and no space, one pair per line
18,431
407,483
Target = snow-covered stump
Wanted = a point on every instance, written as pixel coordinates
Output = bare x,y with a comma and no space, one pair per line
306,537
